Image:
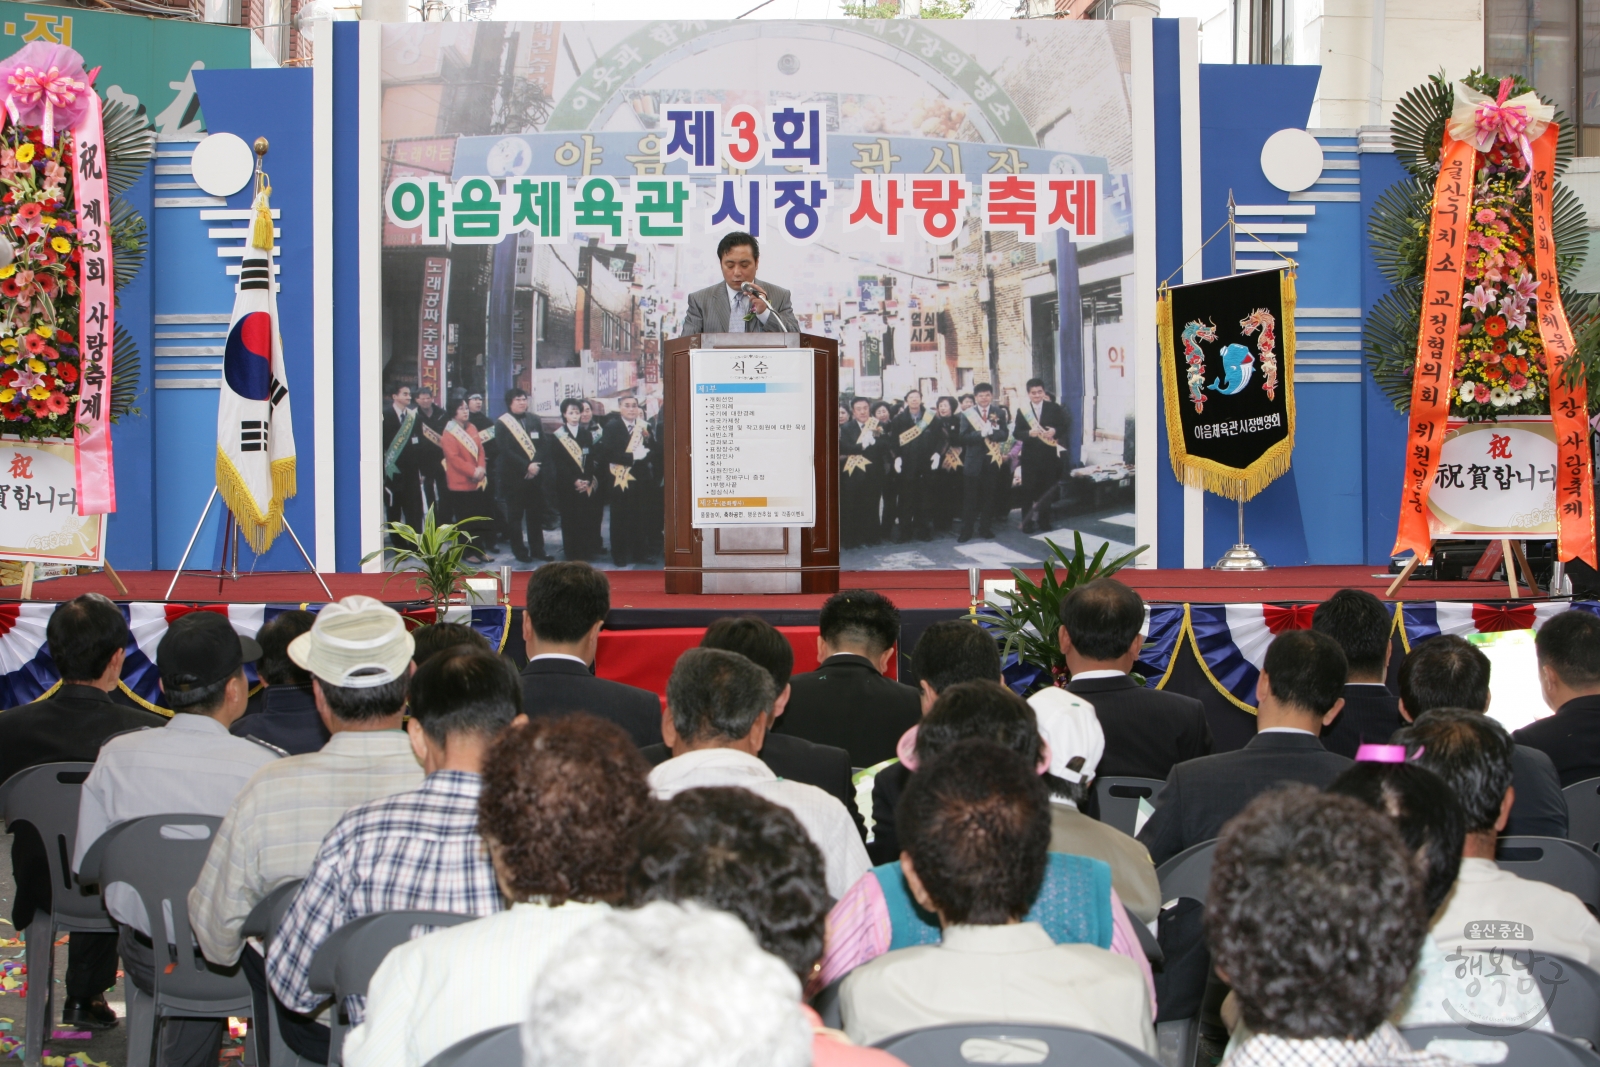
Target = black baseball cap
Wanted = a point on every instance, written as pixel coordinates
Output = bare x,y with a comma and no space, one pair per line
199,649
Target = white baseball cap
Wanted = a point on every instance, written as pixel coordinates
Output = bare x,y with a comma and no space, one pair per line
356,643
1069,728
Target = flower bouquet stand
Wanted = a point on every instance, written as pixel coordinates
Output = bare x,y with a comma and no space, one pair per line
1475,341
68,241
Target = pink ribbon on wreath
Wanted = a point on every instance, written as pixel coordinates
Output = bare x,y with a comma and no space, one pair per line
45,86
1483,120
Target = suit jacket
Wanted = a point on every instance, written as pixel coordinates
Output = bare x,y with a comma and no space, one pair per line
1570,737
709,309
798,760
613,450
974,445
1148,731
1540,807
848,704
917,451
287,719
1371,715
1051,417
562,686
880,453
69,727
1203,794
411,452
510,461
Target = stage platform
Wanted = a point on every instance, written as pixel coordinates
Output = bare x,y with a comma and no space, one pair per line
641,590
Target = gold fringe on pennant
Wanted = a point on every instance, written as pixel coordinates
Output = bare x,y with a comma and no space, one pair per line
258,529
1233,483
261,232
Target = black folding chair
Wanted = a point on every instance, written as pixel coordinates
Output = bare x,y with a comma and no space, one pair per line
500,1047
1583,813
1555,861
1509,1045
1119,799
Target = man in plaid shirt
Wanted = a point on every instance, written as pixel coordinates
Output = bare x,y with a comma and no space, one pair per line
413,851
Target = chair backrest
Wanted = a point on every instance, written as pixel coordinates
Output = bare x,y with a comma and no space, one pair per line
1487,1044
1555,860
264,918
500,1047
46,797
1119,799
960,1044
1188,874
346,961
1583,813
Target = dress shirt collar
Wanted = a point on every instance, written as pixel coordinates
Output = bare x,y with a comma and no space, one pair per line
733,295
997,940
840,659
1285,730
720,762
198,724
559,655
1084,676
1038,411
367,743
1368,685
463,784
1474,869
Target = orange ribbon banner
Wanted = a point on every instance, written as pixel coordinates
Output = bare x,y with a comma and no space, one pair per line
1569,408
1437,345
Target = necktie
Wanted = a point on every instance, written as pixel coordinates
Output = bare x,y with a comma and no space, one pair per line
740,304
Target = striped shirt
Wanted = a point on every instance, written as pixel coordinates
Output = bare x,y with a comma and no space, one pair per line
418,851
276,825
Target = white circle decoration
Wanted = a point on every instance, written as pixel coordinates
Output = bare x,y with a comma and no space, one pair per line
1292,160
222,164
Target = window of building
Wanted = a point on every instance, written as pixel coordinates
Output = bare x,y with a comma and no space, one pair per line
1263,31
1555,45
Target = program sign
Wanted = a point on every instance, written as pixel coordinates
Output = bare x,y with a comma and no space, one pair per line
753,438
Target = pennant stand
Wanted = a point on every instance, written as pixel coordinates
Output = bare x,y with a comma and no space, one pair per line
230,551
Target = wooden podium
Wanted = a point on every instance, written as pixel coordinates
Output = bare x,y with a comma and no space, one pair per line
750,559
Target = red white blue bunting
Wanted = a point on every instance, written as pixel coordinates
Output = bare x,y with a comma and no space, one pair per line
28,673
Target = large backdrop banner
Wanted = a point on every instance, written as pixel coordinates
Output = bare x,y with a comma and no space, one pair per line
950,201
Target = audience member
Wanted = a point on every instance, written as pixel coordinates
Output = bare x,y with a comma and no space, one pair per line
734,851
1361,624
1568,647
562,799
414,851
358,656
1451,672
1302,679
1074,741
847,702
948,653
667,985
1147,731
1315,917
718,707
87,638
1474,755
976,828
438,636
1433,824
791,757
190,765
286,717
565,606
1078,903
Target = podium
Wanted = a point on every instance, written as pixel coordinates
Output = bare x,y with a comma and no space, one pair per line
750,559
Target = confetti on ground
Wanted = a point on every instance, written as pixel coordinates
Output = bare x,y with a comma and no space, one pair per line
237,1027
72,1035
78,1059
5,1024
10,1046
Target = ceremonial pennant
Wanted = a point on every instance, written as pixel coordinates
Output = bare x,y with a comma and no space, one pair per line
97,487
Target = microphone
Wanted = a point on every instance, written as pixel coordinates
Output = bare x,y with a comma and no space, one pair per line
751,290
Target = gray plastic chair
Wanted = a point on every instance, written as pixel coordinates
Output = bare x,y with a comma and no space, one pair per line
1119,799
344,964
1522,1048
1188,874
1554,860
46,797
262,923
161,856
1583,813
500,1047
941,1046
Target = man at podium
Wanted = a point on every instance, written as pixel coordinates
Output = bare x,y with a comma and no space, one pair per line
739,304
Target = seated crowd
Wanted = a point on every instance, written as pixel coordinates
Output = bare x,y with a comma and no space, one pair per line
694,878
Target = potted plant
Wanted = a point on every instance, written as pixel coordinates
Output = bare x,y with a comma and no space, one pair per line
438,553
1030,626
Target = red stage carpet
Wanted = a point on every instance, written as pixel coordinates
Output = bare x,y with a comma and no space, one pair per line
642,590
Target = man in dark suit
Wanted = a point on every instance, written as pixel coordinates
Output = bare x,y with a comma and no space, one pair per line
1451,672
565,606
431,419
1147,730
1568,647
1361,624
726,307
1300,691
847,702
864,455
947,653
402,450
522,462
629,454
87,638
918,437
982,437
1042,428
287,718
794,758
